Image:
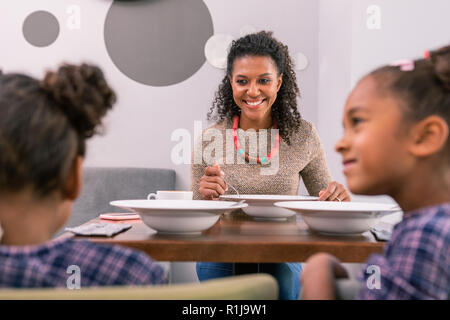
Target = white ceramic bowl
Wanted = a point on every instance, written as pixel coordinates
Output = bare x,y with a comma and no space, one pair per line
178,216
261,206
339,217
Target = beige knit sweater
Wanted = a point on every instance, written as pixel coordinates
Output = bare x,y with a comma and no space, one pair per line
304,158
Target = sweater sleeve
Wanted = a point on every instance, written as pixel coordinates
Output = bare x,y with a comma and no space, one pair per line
197,168
316,174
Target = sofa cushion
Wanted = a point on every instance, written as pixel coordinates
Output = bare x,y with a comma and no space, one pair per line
102,185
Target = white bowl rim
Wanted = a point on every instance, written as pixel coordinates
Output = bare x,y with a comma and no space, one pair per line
268,197
333,206
185,205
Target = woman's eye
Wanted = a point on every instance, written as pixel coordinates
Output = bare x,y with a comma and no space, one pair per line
355,121
241,81
264,81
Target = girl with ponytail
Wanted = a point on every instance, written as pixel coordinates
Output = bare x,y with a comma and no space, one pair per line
397,143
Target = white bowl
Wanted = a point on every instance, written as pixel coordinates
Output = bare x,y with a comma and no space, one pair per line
261,206
178,216
339,217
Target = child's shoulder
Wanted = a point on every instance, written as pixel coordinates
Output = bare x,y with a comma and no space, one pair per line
427,228
120,265
94,256
430,219
88,248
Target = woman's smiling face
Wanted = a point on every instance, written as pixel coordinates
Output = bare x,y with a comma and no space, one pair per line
255,82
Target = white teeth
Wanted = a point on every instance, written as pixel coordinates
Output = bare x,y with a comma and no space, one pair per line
254,103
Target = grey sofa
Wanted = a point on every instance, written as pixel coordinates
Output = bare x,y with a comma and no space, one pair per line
102,185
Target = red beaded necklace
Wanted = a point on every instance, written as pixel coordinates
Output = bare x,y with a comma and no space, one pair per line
241,152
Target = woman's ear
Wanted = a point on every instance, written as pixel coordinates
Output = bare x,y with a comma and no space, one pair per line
429,136
280,82
72,187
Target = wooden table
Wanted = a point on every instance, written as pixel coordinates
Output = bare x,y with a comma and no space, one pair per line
237,237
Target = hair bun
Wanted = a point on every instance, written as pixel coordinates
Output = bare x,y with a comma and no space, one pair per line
82,94
441,63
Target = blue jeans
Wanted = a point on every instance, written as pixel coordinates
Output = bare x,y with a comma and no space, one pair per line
287,275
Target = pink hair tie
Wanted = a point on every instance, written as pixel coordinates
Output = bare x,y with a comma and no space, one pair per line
404,64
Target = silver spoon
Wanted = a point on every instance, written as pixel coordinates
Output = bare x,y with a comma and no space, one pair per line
229,184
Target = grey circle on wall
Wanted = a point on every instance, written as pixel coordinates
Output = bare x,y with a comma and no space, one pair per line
158,42
40,28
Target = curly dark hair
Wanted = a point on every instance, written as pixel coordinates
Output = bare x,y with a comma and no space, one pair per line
284,110
45,124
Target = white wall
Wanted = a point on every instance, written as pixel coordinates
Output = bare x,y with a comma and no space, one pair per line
408,28
335,63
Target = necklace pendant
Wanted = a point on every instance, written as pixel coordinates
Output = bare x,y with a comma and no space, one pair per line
241,152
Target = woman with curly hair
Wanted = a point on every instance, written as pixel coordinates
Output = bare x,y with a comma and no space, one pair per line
257,96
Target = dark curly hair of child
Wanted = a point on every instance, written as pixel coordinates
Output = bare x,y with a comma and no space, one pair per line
44,125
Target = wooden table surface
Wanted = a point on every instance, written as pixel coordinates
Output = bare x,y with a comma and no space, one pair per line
237,237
